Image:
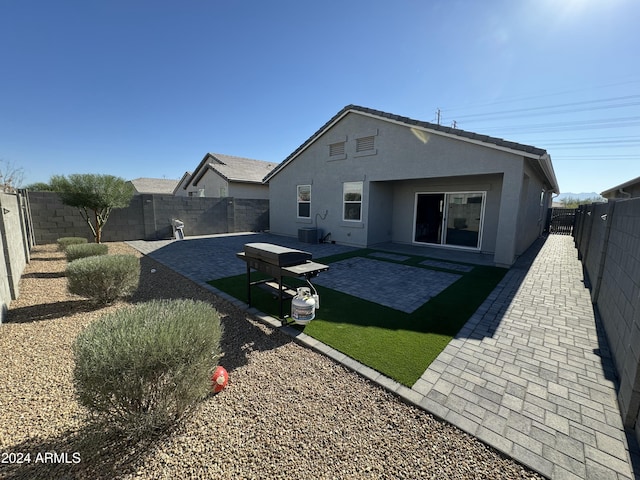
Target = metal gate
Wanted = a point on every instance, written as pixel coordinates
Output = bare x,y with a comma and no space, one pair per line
561,221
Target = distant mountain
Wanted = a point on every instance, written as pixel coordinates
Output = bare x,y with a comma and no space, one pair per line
579,196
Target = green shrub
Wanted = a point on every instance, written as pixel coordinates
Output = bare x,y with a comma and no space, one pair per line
82,250
64,242
147,365
104,278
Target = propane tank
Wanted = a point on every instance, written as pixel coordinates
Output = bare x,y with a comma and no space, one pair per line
303,306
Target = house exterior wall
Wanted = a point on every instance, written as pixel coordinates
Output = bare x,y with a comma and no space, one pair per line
410,160
248,190
213,184
216,186
532,212
404,204
190,191
381,204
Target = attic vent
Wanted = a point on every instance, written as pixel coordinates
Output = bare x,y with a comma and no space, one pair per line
336,149
364,144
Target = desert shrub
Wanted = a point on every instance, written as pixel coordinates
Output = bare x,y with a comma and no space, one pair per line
147,365
104,278
82,250
64,242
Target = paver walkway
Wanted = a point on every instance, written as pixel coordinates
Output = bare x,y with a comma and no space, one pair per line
529,374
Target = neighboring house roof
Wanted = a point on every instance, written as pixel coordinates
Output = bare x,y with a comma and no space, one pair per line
232,169
183,182
493,142
154,185
613,191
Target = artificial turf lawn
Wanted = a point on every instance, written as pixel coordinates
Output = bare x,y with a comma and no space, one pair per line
397,344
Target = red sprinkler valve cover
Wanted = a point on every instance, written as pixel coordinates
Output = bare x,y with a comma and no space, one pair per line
219,379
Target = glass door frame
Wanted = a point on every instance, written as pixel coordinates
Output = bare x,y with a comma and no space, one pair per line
445,215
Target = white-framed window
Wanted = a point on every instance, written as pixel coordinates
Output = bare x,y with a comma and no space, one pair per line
352,201
304,201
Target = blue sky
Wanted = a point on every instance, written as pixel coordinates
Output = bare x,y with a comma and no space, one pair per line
146,88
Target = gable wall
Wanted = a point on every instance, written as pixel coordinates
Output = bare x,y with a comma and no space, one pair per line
213,184
216,186
184,192
400,154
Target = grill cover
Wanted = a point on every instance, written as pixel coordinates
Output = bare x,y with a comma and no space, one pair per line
275,254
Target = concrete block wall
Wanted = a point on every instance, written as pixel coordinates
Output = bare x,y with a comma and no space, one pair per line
51,219
148,217
201,216
593,257
608,239
250,215
15,249
5,291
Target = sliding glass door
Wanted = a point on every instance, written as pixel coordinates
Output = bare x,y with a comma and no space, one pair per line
449,218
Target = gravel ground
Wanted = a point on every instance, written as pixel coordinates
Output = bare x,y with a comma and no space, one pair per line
288,412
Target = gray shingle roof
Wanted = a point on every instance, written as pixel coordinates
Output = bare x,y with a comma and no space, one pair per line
451,131
463,134
154,185
233,169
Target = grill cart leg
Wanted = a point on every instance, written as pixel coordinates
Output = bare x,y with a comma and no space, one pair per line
248,284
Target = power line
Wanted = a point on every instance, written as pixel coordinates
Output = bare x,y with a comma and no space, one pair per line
569,125
575,117
612,158
541,95
541,110
605,142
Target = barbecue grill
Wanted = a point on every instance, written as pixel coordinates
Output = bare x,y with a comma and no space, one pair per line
278,262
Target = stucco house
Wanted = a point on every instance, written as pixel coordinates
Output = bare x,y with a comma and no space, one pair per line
630,189
368,177
219,175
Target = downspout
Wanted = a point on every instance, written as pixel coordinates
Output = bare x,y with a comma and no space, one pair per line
626,194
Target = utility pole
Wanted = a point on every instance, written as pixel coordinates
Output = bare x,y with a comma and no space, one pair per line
438,116
454,124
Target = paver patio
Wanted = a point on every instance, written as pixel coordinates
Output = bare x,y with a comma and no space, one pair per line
529,374
400,287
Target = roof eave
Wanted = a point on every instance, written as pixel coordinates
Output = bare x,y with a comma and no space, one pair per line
536,154
547,168
200,170
335,119
621,186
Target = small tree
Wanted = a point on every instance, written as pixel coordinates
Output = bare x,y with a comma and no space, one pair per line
39,187
94,196
10,176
